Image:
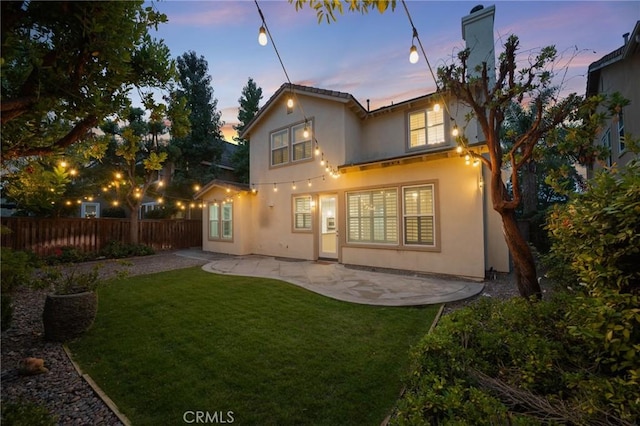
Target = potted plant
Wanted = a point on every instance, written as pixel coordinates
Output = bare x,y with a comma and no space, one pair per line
72,304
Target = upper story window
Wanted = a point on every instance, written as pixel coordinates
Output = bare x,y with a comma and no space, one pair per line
426,128
280,147
292,144
301,143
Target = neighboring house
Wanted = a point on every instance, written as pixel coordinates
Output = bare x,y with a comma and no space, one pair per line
394,194
225,169
618,71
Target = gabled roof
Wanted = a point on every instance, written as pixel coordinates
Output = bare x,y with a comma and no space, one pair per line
334,95
296,89
632,46
225,184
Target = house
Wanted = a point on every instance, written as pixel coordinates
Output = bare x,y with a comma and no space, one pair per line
618,71
383,188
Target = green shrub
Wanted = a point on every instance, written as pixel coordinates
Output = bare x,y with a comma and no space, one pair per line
6,314
596,252
67,254
510,362
117,249
15,269
26,414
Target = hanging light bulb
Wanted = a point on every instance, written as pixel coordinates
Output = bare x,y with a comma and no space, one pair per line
309,182
436,108
262,36
455,131
275,187
317,150
459,149
293,185
413,54
322,160
290,102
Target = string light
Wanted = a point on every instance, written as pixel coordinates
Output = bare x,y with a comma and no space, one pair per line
262,36
275,187
305,132
293,185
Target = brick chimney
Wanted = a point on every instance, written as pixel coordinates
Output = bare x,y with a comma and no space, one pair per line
477,32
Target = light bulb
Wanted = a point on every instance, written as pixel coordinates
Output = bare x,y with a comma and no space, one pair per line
413,54
262,36
436,108
309,182
459,149
290,103
305,132
455,132
275,188
317,151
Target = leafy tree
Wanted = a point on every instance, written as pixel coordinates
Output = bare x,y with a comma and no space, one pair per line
249,105
489,102
194,153
139,156
68,65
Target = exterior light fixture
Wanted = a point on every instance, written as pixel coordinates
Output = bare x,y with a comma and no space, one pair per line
413,52
436,108
262,36
290,102
322,160
293,185
305,132
455,131
459,149
309,182
413,55
275,187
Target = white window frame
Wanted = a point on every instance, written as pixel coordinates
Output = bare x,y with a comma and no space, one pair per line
606,142
83,209
298,140
302,217
220,217
283,146
425,210
427,130
621,144
365,217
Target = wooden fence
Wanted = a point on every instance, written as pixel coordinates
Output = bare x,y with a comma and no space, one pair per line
44,236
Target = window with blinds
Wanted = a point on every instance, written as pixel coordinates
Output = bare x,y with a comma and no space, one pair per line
301,145
372,216
280,147
221,221
426,127
302,213
419,215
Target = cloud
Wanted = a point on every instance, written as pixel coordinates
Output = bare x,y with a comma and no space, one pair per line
206,13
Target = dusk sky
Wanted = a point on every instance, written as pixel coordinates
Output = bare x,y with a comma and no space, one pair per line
367,55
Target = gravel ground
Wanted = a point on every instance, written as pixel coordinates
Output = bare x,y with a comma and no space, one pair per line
62,391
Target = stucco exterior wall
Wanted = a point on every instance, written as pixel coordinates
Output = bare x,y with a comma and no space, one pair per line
622,77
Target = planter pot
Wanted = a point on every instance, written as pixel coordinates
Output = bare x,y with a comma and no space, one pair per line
67,316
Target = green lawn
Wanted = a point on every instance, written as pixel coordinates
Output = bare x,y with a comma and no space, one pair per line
270,352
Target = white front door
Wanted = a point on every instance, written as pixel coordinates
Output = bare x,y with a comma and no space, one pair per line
328,226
